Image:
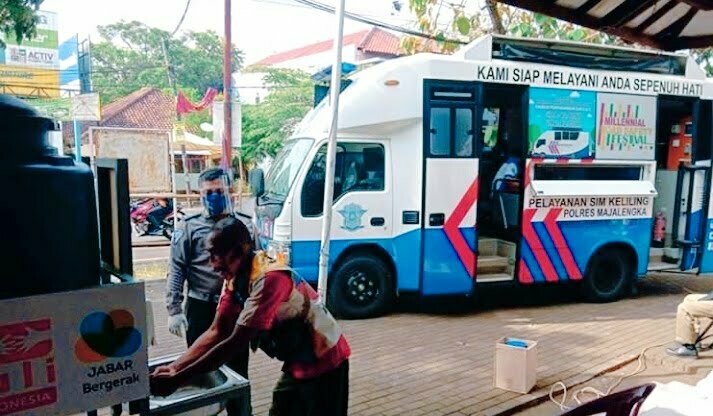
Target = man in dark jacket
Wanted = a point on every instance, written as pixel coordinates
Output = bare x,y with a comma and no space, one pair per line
190,262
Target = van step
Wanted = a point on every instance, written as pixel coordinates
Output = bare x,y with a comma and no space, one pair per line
491,264
661,266
493,277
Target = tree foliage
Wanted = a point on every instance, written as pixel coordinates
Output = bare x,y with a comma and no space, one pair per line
130,55
266,125
451,22
18,18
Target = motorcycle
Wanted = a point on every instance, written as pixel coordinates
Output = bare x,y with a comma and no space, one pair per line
139,218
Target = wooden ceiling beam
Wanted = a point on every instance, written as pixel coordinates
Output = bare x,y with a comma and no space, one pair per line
625,12
670,36
659,13
700,4
587,6
582,19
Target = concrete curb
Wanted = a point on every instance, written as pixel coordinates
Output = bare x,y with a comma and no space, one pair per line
151,244
151,260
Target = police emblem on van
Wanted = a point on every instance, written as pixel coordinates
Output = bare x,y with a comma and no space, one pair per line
352,214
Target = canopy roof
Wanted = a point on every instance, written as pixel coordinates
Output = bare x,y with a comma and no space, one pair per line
663,24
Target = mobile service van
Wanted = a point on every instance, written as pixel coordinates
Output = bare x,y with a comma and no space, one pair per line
419,203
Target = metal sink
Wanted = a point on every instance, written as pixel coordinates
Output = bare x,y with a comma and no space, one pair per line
203,396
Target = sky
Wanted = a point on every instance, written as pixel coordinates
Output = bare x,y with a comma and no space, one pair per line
259,27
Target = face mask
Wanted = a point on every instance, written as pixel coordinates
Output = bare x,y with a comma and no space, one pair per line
215,204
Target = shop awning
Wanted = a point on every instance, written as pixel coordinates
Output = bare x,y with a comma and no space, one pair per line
663,24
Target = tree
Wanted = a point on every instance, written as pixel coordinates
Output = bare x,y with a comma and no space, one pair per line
450,22
453,22
266,125
18,18
130,55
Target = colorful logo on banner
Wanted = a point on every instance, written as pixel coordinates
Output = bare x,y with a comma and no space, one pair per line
107,335
626,127
26,350
562,123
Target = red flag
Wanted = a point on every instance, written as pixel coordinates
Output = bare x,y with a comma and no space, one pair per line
184,105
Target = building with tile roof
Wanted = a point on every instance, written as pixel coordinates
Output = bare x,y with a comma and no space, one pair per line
362,47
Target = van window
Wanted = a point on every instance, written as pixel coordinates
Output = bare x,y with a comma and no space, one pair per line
464,132
440,131
358,167
451,132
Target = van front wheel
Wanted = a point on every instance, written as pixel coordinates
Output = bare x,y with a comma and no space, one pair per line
361,287
609,275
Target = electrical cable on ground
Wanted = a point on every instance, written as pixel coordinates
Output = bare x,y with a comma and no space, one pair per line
591,390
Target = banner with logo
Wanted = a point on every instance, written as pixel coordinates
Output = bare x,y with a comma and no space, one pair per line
561,123
626,126
20,55
30,67
71,352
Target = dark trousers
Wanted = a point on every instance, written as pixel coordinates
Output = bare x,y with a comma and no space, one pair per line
200,315
326,395
155,217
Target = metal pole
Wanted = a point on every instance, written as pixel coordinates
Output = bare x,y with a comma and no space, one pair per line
171,139
335,89
227,96
77,141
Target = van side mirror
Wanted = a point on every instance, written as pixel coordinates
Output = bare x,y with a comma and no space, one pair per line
256,178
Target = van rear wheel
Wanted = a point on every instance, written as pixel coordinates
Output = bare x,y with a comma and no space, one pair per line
609,275
361,287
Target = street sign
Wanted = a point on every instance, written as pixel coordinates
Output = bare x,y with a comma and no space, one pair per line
86,107
71,352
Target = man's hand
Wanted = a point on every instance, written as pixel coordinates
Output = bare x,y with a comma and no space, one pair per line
177,324
164,370
163,381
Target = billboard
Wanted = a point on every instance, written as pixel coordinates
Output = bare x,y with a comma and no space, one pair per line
562,123
69,65
31,67
148,153
626,126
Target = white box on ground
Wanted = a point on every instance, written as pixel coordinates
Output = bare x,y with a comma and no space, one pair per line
515,364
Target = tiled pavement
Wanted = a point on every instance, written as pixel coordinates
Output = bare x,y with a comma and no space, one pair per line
435,363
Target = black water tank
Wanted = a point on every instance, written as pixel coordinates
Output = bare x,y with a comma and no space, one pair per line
48,217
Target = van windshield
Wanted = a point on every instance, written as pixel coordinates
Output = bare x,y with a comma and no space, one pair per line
285,167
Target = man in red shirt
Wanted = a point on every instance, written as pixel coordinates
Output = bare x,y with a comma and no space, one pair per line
268,305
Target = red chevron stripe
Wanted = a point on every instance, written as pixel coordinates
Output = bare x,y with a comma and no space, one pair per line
561,244
528,231
451,228
525,275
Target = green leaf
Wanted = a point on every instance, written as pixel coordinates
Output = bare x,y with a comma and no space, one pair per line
463,25
577,35
542,19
